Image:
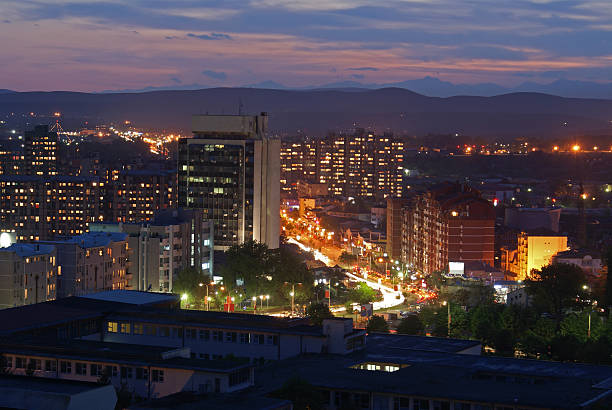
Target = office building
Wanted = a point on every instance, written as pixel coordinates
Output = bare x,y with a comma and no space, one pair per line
231,170
28,274
175,239
451,222
91,262
44,207
41,152
395,212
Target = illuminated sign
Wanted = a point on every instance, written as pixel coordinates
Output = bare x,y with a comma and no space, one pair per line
456,268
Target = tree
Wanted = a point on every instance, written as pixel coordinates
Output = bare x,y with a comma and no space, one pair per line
411,325
555,288
252,263
301,393
377,324
362,294
188,280
288,269
317,312
484,322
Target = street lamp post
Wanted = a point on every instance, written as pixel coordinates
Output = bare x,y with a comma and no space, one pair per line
449,317
292,299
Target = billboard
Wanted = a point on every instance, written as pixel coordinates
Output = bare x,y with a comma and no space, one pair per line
456,268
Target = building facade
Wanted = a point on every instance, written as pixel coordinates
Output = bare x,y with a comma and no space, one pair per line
173,240
91,262
41,208
231,170
534,250
28,274
361,164
449,223
41,151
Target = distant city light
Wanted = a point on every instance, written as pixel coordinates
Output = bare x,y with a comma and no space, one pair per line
576,147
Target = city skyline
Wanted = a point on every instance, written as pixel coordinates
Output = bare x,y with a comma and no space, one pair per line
97,46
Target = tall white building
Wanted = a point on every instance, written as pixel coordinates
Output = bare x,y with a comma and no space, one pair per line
230,169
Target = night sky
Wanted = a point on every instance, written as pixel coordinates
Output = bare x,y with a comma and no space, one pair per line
127,44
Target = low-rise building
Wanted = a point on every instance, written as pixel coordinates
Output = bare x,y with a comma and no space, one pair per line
588,261
28,274
142,371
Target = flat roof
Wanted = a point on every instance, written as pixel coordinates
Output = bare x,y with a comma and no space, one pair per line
120,353
133,297
25,250
48,385
221,320
450,376
387,342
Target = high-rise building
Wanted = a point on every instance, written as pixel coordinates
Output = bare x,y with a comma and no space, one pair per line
231,170
135,195
173,240
41,151
535,249
449,223
28,273
358,165
37,207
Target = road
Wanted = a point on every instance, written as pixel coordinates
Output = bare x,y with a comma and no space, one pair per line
390,296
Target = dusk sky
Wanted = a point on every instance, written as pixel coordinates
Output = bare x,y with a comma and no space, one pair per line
89,45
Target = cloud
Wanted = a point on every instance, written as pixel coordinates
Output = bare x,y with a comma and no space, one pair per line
176,80
217,75
211,36
358,76
363,69
6,21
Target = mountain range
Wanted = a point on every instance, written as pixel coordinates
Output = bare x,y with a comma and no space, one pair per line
316,112
430,86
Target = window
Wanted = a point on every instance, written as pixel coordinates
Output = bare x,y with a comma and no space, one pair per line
191,333
442,405
177,332
138,329
244,338
36,364
151,330
95,370
462,406
65,367
142,373
8,361
125,328
50,365
164,331
240,377
158,376
111,370
205,334
401,403
20,362
126,372
258,339
230,337
80,368
217,335
420,404
113,327
272,340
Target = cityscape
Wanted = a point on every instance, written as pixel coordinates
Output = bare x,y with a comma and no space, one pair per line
328,205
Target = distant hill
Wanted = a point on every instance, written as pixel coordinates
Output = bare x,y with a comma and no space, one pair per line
5,91
318,111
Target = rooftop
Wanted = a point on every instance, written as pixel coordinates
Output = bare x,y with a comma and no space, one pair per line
133,297
48,385
120,353
578,253
93,239
396,343
25,250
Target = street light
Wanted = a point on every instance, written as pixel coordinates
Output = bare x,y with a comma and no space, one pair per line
254,299
447,304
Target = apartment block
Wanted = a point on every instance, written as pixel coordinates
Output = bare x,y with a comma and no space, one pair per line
28,274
